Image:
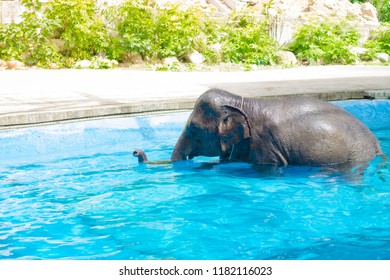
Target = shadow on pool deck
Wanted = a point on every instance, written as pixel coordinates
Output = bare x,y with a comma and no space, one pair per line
43,96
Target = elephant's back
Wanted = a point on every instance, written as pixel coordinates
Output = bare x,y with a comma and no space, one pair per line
318,132
287,108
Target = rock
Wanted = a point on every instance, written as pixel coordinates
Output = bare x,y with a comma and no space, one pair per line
58,44
272,12
369,12
357,51
383,57
168,61
114,63
15,64
195,57
83,64
54,66
306,9
133,58
216,47
3,63
103,63
235,4
287,58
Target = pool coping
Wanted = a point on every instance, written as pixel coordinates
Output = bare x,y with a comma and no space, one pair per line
36,97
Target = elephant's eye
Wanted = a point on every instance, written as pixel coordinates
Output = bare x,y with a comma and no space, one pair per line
225,119
193,131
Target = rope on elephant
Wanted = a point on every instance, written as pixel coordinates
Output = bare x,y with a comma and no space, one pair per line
231,154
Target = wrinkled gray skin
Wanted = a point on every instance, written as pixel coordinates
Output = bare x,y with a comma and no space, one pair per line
277,132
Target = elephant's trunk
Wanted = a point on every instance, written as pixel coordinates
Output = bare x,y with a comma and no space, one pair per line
182,148
140,154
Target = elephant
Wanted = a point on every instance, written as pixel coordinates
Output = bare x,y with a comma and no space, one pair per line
274,131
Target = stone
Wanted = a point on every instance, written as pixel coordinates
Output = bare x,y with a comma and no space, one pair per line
383,57
114,63
195,57
3,63
59,44
234,4
272,12
287,58
302,10
15,64
357,50
133,58
54,66
369,12
83,64
217,48
103,63
168,61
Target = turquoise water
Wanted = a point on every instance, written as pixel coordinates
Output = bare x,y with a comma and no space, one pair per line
74,191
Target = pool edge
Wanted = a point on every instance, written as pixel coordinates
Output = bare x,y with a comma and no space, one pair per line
179,91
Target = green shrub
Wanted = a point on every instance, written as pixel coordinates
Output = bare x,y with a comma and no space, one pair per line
159,32
76,22
134,22
12,43
178,32
379,41
245,39
80,25
383,8
28,40
325,42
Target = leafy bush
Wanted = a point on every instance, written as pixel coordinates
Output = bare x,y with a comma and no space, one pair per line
80,25
245,39
28,40
178,32
383,8
379,41
134,22
159,32
325,42
12,43
76,22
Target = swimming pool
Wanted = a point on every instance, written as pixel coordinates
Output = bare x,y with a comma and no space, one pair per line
74,191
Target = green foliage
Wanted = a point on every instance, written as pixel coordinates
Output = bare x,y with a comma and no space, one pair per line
379,41
173,31
159,32
178,32
325,42
11,42
383,8
28,40
134,21
245,39
76,22
80,26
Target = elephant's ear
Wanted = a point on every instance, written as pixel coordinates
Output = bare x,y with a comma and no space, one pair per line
233,127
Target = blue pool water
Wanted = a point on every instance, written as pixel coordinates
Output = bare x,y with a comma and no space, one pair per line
74,191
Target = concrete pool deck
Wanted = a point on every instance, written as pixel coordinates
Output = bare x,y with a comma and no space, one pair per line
40,96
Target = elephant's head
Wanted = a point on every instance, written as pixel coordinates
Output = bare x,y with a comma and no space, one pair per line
216,124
